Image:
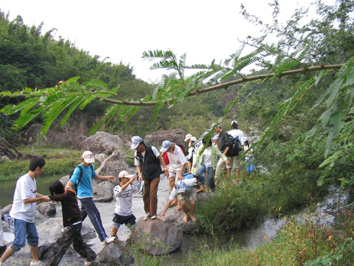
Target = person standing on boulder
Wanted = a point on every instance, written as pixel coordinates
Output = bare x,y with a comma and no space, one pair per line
84,193
148,163
24,210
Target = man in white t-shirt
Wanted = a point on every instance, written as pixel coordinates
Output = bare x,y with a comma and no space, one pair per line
23,211
235,132
177,163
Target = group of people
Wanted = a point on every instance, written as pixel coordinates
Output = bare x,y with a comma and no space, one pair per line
208,156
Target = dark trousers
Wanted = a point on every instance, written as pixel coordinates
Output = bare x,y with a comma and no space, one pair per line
88,208
71,234
150,195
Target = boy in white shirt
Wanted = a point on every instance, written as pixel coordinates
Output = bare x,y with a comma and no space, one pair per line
123,213
23,211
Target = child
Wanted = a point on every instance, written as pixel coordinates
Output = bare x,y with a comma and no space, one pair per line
72,225
123,213
24,210
185,191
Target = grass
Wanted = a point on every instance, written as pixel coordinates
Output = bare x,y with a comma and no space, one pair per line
58,162
307,243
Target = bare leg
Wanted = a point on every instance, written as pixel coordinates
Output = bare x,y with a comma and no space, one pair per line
185,210
191,211
34,251
114,231
8,253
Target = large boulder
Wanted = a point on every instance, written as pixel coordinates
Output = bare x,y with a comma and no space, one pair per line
102,142
47,209
157,237
114,254
103,192
50,230
156,138
112,165
5,210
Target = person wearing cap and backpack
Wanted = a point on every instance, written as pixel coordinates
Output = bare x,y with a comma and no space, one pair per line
148,162
85,194
224,144
238,137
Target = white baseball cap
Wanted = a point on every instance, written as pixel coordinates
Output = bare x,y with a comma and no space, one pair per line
193,139
136,140
88,157
188,137
124,174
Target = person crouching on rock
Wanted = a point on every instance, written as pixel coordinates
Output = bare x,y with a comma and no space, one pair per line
71,233
123,213
185,190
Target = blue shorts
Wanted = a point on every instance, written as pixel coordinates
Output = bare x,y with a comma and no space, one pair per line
24,229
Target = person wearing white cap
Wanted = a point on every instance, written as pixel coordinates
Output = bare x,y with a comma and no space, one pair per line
178,162
123,193
148,162
235,133
85,195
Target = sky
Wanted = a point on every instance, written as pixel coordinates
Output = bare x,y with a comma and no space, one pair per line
123,30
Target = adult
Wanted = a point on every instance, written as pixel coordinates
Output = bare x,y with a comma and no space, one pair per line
177,163
148,163
83,182
236,133
208,154
224,144
23,211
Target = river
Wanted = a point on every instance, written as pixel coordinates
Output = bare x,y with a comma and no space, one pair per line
245,238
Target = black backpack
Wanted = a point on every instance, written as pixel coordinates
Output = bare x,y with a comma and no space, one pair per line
235,146
81,173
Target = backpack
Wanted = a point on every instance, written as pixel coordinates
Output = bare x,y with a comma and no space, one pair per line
81,173
235,146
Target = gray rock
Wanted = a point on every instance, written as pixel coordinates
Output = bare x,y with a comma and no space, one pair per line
102,142
103,192
156,138
47,209
157,237
112,165
5,210
114,254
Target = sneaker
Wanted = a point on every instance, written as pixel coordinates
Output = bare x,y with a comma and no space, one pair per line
87,263
37,263
108,240
153,217
147,217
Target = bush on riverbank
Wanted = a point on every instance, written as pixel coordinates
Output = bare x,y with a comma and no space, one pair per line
233,207
308,244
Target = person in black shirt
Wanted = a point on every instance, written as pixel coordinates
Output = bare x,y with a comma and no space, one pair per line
224,144
148,161
72,225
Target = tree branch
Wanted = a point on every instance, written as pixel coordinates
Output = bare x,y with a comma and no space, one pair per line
228,84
